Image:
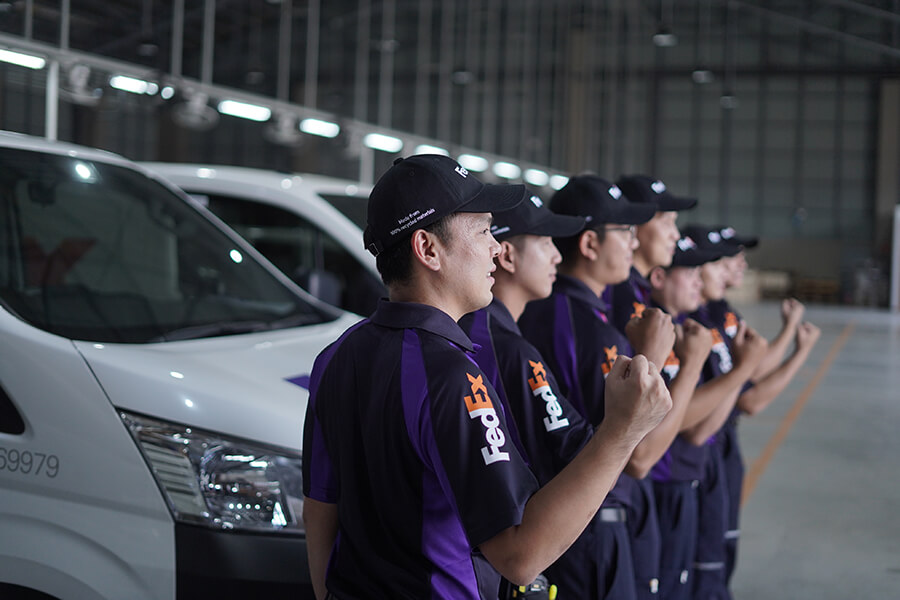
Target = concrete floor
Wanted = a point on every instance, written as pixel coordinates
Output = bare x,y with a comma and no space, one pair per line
823,520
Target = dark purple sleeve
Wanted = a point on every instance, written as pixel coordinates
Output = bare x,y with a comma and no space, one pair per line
464,437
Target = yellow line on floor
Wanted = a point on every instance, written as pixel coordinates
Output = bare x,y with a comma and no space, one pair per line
760,464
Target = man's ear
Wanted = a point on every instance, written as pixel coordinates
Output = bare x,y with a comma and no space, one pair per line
508,258
657,277
588,244
426,249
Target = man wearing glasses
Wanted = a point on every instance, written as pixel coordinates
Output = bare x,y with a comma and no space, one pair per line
573,331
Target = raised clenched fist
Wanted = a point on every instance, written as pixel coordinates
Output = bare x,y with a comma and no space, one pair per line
692,340
792,311
749,347
807,335
652,334
636,397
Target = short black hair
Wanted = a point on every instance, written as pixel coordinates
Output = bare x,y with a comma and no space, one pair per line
568,246
394,264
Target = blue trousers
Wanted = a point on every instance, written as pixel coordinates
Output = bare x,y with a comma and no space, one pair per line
734,475
710,581
676,506
597,566
643,530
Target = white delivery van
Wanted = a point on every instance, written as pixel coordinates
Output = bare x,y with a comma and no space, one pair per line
153,374
309,226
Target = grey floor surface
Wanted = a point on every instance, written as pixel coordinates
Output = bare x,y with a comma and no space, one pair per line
823,520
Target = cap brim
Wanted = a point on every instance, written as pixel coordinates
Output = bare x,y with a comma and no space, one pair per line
495,197
673,203
633,213
727,250
745,242
558,226
695,258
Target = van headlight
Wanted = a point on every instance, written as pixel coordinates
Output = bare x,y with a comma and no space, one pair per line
221,482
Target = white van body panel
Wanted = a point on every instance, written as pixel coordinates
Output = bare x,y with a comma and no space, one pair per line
236,385
99,528
294,193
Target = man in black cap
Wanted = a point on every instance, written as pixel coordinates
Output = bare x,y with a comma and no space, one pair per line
413,486
769,379
572,331
700,406
549,431
656,238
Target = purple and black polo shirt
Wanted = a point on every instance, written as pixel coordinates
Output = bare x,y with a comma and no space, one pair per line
628,299
550,432
571,329
405,433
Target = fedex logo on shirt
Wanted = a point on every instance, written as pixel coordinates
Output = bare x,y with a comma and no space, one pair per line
541,388
721,350
672,366
731,324
480,406
638,309
611,355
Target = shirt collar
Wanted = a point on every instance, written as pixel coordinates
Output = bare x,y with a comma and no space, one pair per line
578,290
640,281
678,319
411,315
498,311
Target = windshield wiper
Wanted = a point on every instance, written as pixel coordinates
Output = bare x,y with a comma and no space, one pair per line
212,330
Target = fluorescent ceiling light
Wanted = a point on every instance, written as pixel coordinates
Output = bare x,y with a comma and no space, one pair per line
319,127
254,112
167,92
665,38
473,162
427,149
23,60
558,182
536,177
506,170
379,141
702,76
132,84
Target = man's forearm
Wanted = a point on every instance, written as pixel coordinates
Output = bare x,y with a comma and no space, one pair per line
321,520
557,513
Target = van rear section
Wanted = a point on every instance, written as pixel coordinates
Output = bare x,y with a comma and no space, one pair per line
153,373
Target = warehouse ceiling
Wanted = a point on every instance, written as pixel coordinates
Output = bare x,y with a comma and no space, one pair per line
511,77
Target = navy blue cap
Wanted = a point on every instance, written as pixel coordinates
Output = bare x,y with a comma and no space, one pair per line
709,238
730,236
649,190
533,217
599,202
689,254
419,190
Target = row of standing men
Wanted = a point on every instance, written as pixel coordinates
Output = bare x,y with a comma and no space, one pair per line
554,390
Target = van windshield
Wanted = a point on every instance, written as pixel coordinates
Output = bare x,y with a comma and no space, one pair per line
98,252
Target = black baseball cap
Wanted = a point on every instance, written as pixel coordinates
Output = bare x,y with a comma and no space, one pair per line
419,190
709,238
645,189
599,202
533,217
689,254
730,236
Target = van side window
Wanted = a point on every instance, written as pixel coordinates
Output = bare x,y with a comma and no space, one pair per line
310,256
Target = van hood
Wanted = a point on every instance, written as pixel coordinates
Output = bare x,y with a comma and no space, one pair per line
251,386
